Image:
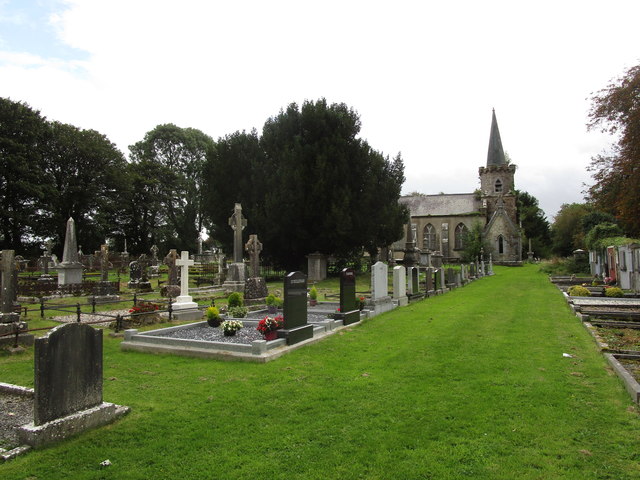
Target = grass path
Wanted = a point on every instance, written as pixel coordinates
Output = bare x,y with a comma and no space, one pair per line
472,384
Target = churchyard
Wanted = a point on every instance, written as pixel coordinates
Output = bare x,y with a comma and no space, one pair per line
458,385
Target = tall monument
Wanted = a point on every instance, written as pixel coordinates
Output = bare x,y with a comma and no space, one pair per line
70,269
237,273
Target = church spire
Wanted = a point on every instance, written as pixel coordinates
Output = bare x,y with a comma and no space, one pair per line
495,155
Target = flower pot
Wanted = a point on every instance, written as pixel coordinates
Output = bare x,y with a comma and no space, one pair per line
272,309
272,335
229,333
214,322
313,303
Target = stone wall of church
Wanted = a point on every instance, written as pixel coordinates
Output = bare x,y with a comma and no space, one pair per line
508,250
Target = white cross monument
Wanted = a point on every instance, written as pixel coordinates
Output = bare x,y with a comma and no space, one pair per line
184,301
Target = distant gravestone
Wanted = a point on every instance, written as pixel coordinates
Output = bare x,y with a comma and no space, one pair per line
296,328
170,261
255,287
317,266
400,285
68,371
70,269
429,281
415,285
348,311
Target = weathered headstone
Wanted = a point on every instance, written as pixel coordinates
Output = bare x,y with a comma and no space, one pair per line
105,290
70,269
349,313
317,266
411,252
255,288
172,287
44,264
400,285
253,248
295,328
68,385
430,281
184,308
490,272
154,255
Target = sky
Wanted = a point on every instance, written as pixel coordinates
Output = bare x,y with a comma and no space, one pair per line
424,76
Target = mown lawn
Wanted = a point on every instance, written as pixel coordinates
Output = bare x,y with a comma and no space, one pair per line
472,384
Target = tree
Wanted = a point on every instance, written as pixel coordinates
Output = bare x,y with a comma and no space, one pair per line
22,130
306,184
176,156
566,231
534,223
600,232
83,174
594,218
234,173
616,109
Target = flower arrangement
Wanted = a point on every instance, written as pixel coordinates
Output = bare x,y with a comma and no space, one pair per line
230,327
144,307
270,324
360,302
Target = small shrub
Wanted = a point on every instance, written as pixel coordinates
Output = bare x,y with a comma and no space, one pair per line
235,300
270,300
615,292
578,291
313,293
238,312
213,317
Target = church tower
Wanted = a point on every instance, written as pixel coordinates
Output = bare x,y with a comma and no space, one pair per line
498,198
497,178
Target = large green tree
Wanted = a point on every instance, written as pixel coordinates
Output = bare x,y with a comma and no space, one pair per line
22,130
234,173
566,231
307,184
176,157
83,177
616,109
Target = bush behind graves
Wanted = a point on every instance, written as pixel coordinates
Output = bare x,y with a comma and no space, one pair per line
578,291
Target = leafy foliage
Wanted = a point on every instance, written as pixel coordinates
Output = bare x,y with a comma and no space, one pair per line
616,109
599,232
578,291
474,243
534,223
566,231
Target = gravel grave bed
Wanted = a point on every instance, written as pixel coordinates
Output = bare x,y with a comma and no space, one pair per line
632,366
102,319
15,411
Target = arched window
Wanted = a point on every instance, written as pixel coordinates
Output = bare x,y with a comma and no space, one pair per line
500,244
498,186
460,236
429,237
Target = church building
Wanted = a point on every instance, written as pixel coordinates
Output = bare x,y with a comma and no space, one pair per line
440,222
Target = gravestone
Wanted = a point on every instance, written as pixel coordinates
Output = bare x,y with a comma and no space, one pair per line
451,278
400,285
380,299
44,264
442,280
237,271
138,276
255,288
68,385
184,308
11,327
411,253
154,269
349,313
70,269
437,283
296,329
436,259
429,281
105,290
413,285
317,266
490,272
172,288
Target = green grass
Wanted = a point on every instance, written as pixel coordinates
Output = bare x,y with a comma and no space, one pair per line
471,384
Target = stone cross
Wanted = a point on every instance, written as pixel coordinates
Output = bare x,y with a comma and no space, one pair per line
237,223
154,255
254,247
184,264
170,261
104,263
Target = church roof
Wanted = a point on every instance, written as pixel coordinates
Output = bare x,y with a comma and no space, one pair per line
443,205
495,155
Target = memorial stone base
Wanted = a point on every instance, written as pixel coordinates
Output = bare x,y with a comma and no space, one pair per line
348,317
296,335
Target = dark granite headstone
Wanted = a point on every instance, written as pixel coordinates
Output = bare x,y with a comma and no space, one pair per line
436,279
414,280
68,371
349,313
296,328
